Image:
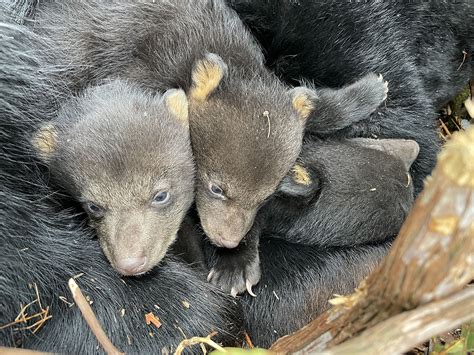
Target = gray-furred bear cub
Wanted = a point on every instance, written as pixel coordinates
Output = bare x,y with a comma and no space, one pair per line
340,194
126,156
301,221
246,125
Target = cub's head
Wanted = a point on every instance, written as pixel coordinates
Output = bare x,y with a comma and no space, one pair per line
351,191
126,156
246,134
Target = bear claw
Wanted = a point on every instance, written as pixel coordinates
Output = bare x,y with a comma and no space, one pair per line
235,276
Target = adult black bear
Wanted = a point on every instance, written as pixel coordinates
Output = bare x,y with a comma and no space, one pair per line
297,282
43,245
424,50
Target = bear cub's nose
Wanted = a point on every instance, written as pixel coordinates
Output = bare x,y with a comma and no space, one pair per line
131,266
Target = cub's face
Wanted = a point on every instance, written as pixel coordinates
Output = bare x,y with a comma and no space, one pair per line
246,134
126,156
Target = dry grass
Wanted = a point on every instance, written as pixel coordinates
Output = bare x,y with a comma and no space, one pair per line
27,319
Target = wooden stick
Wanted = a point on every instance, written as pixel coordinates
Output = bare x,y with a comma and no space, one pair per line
407,329
431,259
91,319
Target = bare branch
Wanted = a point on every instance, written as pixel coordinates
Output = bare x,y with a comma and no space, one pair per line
408,329
91,319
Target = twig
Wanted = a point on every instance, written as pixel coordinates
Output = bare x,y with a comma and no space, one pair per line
198,340
249,341
445,128
38,296
91,319
463,59
38,324
23,317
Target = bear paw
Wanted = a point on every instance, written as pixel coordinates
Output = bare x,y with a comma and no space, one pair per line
371,89
235,274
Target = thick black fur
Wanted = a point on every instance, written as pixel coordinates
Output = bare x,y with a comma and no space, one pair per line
297,282
417,46
44,244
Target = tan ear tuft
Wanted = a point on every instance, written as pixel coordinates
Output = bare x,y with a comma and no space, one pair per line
206,76
45,141
177,104
301,175
302,99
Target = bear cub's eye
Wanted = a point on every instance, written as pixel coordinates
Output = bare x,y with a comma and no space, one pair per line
94,210
216,191
160,198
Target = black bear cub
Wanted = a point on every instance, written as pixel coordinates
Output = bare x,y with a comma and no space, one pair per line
339,194
330,223
364,97
126,156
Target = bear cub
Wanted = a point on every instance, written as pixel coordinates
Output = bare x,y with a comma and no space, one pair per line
296,210
125,155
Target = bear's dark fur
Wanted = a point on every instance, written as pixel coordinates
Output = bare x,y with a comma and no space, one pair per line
355,192
417,46
297,282
43,244
246,126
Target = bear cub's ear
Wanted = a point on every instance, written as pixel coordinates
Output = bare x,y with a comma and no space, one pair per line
404,149
303,100
300,182
45,141
177,104
206,76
